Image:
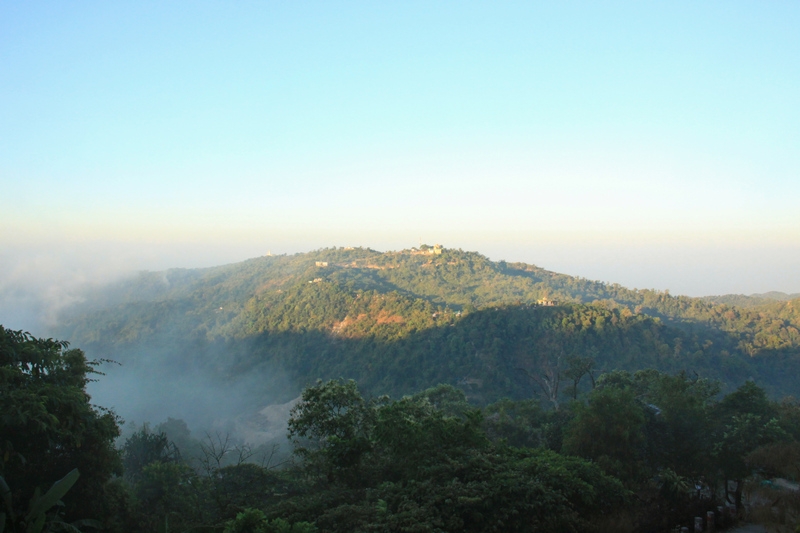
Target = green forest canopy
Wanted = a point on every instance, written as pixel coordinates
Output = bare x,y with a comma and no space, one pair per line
401,321
642,451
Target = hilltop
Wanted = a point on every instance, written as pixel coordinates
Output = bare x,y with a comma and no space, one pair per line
404,320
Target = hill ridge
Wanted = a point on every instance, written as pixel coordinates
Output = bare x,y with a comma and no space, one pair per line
303,305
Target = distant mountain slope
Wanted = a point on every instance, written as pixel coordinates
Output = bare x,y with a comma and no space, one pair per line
399,321
753,300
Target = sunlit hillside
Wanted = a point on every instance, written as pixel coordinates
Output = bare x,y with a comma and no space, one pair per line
401,321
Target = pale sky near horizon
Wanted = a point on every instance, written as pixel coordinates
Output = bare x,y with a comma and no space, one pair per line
652,144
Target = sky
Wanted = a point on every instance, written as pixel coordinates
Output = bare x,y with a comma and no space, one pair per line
652,144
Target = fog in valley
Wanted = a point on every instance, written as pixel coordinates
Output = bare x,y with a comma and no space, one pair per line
154,386
143,387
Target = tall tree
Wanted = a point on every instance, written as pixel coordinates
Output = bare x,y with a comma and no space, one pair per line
48,427
610,430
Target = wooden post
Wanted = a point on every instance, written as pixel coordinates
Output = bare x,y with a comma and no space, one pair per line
698,524
710,521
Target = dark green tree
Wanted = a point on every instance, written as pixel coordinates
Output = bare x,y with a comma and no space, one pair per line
679,424
609,429
422,467
747,420
145,447
577,367
331,429
48,427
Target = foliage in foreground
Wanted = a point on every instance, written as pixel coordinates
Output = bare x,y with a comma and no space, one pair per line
49,431
424,463
649,447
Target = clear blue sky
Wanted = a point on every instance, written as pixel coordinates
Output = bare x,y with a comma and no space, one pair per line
655,144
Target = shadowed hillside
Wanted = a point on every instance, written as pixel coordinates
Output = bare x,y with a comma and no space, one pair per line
401,321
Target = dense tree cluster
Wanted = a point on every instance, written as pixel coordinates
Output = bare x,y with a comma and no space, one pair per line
48,429
644,451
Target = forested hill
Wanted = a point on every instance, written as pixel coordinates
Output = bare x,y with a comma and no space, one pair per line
401,321
752,300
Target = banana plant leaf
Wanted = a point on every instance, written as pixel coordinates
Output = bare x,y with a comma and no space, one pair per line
42,504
